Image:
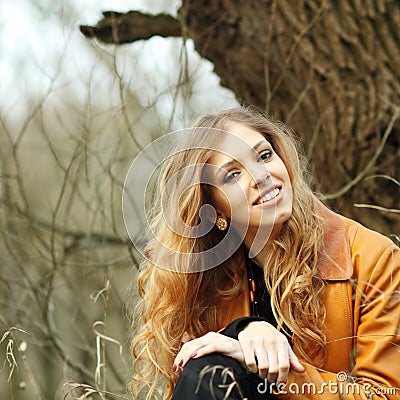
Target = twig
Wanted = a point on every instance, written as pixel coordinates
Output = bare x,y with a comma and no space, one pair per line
380,208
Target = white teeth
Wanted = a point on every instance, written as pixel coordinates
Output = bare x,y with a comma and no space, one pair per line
269,196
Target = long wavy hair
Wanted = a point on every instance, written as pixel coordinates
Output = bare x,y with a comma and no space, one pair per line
175,306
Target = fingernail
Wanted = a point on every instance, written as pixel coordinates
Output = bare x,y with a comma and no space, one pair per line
174,368
180,363
193,355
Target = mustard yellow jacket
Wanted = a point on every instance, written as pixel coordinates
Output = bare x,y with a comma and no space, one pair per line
362,300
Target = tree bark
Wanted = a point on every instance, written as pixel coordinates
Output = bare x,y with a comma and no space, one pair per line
330,69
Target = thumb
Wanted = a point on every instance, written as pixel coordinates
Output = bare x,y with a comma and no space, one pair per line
294,362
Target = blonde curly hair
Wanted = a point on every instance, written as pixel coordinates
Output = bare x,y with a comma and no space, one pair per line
175,304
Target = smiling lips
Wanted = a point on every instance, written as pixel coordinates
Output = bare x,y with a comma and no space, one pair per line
269,196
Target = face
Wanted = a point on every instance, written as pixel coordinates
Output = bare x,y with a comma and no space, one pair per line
250,183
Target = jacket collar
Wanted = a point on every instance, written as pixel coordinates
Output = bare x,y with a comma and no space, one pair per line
335,257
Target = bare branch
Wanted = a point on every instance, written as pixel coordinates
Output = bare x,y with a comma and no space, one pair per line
375,207
121,28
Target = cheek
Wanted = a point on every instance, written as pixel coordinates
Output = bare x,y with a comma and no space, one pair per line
232,200
286,170
289,180
221,202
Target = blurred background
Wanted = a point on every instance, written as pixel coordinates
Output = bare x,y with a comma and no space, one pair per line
74,113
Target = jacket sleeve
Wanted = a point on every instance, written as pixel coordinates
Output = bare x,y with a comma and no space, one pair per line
236,326
375,373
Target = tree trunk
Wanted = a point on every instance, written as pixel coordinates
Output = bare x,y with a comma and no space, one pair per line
330,69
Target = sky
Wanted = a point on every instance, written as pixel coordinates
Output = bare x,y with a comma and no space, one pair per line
41,47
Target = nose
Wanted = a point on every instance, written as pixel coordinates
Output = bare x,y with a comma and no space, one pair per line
259,175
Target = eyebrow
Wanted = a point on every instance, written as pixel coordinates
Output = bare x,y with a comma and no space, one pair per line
231,162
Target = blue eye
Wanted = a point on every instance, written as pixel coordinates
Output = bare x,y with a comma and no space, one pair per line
230,176
265,155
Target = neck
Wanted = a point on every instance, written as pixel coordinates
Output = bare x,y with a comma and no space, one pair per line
259,259
258,245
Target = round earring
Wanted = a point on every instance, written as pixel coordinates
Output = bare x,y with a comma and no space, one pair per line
221,223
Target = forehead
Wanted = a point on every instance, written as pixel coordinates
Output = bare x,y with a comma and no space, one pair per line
236,144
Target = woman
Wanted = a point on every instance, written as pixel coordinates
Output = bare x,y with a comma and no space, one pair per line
301,302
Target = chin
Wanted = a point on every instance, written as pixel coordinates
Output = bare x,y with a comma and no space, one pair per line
283,216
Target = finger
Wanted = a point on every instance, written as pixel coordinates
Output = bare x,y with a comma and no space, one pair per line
249,356
273,365
262,363
283,367
279,363
185,352
294,362
208,349
209,343
223,345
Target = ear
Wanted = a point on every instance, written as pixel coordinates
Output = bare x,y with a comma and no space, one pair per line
211,219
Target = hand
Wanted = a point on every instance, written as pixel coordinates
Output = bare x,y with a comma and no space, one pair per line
211,342
267,352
